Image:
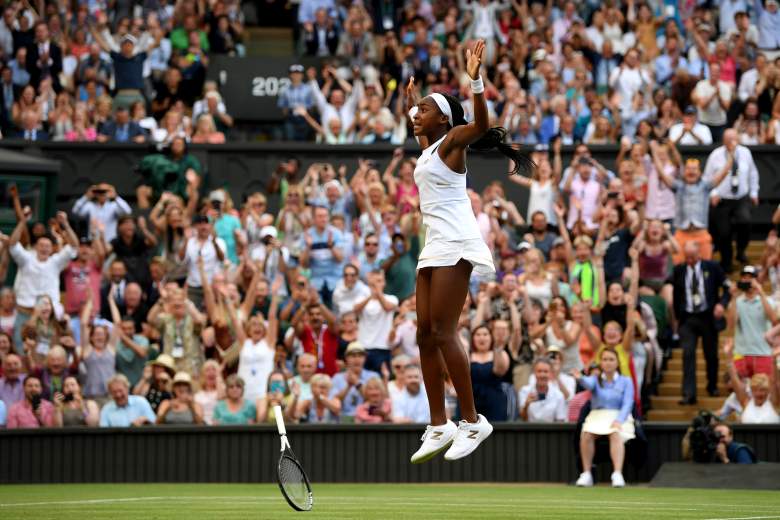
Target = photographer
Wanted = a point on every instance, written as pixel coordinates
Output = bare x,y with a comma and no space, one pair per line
750,314
101,205
33,411
730,452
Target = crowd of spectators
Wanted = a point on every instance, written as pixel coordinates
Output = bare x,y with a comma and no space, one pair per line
589,72
190,307
124,72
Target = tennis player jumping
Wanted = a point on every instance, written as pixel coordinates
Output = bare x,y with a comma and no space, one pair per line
453,248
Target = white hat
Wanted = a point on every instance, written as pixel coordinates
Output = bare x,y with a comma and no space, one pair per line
268,231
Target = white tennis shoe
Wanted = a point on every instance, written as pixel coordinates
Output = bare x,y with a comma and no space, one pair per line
617,480
468,438
585,480
435,440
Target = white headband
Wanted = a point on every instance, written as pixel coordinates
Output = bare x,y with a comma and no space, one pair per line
443,105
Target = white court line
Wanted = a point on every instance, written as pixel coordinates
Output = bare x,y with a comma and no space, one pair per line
744,518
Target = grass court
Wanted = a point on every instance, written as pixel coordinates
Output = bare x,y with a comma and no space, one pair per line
381,501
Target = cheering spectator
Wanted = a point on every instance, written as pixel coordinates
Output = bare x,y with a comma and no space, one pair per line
33,411
76,410
540,401
234,409
712,97
321,251
305,367
211,389
760,403
751,314
411,404
297,96
124,410
44,57
489,364
347,385
320,408
690,131
316,328
376,407
101,206
375,319
732,197
12,382
610,416
181,408
349,291
179,323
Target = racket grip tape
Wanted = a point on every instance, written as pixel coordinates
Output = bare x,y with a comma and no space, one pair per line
278,414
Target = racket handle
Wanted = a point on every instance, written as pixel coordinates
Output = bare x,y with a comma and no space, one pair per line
279,420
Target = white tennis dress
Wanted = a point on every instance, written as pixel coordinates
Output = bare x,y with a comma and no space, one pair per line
452,231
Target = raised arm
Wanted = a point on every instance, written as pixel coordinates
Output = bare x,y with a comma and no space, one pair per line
461,136
739,386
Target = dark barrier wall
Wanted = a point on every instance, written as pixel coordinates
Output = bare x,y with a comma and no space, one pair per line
247,167
515,453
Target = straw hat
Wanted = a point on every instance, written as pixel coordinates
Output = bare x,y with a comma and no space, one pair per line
165,361
182,378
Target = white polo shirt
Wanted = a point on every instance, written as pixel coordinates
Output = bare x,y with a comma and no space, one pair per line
36,278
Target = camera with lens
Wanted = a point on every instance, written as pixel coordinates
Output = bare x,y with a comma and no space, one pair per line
704,438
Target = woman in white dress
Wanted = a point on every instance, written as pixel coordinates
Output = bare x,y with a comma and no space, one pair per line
453,248
543,186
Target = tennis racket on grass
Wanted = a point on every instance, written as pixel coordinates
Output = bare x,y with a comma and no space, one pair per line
293,481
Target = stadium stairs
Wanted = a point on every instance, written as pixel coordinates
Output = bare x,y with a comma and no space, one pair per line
664,405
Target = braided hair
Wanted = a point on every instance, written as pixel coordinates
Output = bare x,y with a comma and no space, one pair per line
493,139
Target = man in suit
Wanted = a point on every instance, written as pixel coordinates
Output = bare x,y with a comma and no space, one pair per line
44,58
698,307
30,127
121,129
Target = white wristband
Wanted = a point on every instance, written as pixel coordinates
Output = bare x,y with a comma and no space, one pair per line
412,112
477,86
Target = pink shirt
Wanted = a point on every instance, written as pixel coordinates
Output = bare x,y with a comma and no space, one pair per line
90,134
660,202
404,191
21,415
587,193
79,281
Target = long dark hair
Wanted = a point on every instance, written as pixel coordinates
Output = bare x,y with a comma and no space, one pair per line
493,139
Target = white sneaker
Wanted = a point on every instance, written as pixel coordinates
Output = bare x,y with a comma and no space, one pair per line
468,438
435,440
617,480
585,480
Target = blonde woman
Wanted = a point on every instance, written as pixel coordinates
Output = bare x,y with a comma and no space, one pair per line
212,389
535,281
294,218
181,408
320,408
98,353
543,186
257,340
377,407
206,131
761,404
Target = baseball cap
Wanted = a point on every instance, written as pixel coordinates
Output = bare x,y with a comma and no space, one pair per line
558,242
217,195
296,67
129,38
524,246
200,219
690,109
750,270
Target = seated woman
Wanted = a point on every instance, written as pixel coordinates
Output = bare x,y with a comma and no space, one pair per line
206,131
278,393
320,409
610,416
377,407
234,409
181,408
76,410
212,389
761,404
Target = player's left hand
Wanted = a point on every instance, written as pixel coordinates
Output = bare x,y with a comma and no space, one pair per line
474,59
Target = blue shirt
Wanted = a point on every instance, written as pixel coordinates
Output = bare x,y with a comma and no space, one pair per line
225,227
325,269
354,397
295,95
768,27
113,416
664,70
3,414
615,395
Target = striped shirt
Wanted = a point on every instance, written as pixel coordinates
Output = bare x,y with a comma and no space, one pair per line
693,204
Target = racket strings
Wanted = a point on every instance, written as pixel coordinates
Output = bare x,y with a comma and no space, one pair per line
294,481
